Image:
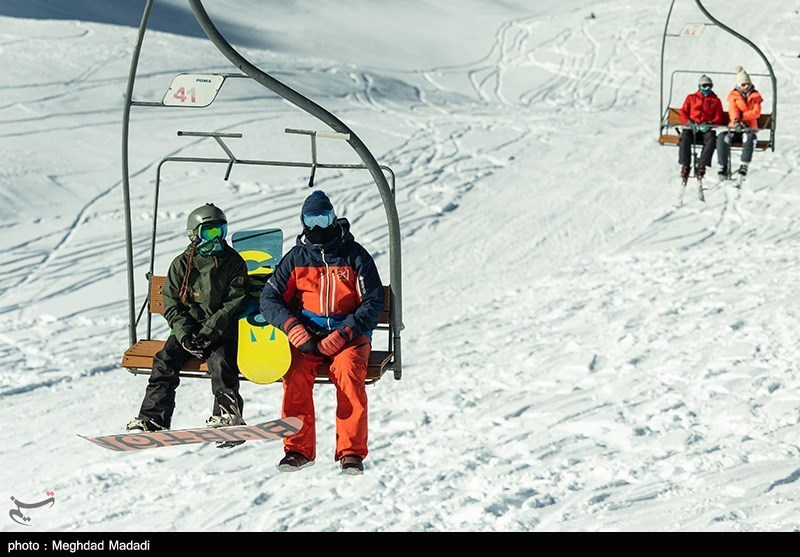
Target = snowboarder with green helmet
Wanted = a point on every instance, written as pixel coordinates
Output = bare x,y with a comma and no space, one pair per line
204,295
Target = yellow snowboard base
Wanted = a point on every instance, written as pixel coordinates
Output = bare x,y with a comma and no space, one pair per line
264,354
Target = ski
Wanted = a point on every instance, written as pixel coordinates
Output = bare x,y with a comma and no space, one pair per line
682,192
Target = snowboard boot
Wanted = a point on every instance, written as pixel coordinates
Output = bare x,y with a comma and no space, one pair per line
226,401
229,414
140,425
294,461
352,464
225,421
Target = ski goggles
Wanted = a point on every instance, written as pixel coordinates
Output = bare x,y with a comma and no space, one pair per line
210,232
322,219
706,86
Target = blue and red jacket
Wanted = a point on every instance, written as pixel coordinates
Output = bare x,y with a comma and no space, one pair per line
336,285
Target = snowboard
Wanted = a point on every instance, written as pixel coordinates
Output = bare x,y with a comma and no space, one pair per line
274,429
264,354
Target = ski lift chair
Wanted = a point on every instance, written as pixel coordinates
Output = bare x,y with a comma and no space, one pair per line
670,124
198,91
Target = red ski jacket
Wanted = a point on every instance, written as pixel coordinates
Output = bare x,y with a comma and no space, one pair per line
702,109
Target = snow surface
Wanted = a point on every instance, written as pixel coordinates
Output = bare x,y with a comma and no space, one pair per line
579,355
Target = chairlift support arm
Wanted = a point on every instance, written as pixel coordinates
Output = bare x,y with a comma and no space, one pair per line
337,125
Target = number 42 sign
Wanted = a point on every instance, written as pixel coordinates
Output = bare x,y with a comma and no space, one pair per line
193,90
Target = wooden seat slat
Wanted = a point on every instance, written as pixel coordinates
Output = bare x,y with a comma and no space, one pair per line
139,358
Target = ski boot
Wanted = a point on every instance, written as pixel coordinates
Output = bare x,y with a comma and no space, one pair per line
741,174
699,173
685,169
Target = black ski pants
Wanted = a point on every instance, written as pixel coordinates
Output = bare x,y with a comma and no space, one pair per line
159,398
709,140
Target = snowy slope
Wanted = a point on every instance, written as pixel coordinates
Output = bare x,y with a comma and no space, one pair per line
579,354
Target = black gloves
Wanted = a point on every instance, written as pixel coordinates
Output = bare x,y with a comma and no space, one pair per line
201,342
196,344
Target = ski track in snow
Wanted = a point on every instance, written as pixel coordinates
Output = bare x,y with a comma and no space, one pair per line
581,354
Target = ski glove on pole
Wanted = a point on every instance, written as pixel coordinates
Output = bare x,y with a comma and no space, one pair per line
331,344
300,338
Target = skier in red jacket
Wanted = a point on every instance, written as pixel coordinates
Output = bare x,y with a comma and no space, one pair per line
700,111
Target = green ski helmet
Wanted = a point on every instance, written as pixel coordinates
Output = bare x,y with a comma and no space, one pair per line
207,214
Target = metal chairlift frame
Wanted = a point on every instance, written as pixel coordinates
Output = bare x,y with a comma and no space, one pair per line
340,131
664,108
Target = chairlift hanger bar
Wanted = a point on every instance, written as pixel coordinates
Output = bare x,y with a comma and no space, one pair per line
337,125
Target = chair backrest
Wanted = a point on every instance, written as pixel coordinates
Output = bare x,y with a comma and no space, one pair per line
156,303
674,119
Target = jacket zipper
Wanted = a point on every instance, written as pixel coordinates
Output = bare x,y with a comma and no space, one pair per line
327,291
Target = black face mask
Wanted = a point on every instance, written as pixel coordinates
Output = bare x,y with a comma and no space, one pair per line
319,235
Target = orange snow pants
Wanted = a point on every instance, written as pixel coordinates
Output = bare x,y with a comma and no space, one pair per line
348,370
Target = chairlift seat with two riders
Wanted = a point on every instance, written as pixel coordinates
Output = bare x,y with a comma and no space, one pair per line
199,90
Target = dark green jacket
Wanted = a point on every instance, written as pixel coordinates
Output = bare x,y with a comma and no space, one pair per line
217,295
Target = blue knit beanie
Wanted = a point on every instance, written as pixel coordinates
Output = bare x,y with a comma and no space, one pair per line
317,202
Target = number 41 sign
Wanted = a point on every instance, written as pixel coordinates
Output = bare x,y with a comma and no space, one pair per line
194,90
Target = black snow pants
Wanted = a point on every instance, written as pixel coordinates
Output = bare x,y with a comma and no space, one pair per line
709,140
159,398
